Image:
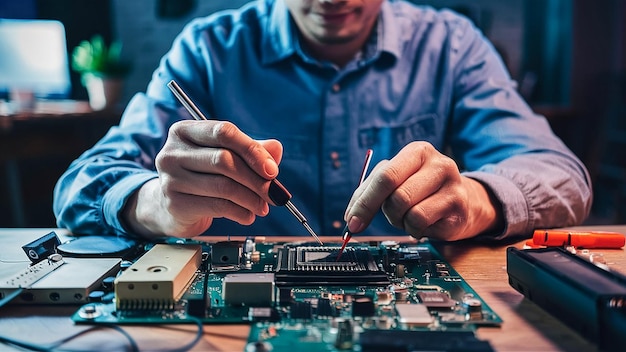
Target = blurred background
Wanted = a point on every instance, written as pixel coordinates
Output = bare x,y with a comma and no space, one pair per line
567,56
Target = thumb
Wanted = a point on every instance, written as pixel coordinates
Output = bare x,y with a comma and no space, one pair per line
274,147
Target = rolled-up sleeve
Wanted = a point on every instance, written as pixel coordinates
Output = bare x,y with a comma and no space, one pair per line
90,195
499,141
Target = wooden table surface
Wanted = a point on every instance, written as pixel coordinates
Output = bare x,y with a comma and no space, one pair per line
526,327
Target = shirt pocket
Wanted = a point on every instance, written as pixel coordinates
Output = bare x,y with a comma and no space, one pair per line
387,138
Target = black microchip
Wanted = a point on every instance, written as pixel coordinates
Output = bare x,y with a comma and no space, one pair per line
312,265
325,308
363,306
226,253
301,310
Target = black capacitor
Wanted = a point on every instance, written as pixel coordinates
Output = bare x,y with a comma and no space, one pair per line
226,253
285,296
95,296
108,283
474,308
301,310
197,306
125,264
345,332
108,298
325,308
363,306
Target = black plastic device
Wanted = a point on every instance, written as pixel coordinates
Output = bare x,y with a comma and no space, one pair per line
587,298
42,247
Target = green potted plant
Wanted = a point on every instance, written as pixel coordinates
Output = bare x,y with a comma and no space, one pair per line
102,70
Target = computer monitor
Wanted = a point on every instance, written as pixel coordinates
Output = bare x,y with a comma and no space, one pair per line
34,58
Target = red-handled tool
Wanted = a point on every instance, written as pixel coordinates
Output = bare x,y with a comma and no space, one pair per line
346,234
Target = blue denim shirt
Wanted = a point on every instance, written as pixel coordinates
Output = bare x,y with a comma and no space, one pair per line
425,75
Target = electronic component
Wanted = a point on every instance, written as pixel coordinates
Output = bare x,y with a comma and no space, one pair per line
301,310
248,289
198,301
33,273
285,296
269,314
301,292
345,334
473,308
325,308
436,299
408,254
226,253
384,297
42,247
414,315
363,306
310,265
159,278
68,280
585,297
439,269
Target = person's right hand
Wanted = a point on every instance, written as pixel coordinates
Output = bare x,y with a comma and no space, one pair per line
207,170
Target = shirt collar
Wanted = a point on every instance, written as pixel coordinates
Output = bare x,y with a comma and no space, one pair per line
390,38
280,40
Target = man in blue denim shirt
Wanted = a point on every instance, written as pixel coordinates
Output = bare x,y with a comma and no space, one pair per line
306,87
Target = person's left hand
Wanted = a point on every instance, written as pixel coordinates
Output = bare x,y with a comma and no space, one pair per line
423,192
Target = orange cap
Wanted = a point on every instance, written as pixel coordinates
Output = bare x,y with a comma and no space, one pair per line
582,239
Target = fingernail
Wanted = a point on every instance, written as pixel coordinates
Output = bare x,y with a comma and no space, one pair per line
265,210
270,168
355,224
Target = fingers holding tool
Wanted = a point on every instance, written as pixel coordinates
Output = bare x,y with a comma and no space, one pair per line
235,146
346,234
422,191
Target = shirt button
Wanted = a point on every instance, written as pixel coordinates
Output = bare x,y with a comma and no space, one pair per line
337,224
336,87
334,156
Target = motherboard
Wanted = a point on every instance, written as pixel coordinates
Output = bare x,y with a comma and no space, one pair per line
375,295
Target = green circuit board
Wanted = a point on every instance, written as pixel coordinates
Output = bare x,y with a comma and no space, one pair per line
374,295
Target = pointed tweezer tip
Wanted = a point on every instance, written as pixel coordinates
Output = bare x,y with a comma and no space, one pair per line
308,228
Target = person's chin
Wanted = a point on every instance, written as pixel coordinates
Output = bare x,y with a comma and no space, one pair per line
330,36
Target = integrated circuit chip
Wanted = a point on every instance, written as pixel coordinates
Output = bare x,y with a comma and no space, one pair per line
436,299
249,289
313,265
414,315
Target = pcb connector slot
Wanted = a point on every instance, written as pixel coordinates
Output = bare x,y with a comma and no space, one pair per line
159,278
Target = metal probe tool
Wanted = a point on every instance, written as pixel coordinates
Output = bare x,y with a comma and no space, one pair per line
277,192
346,234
